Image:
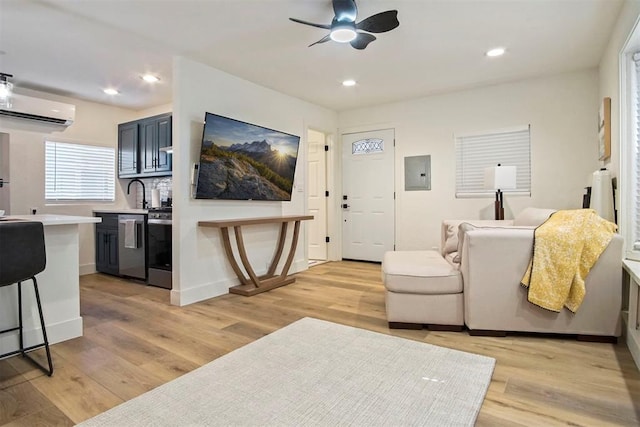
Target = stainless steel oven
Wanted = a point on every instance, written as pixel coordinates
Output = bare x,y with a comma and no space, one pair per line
159,247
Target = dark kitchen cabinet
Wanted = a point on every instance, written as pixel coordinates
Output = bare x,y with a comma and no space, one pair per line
139,147
107,260
128,150
155,133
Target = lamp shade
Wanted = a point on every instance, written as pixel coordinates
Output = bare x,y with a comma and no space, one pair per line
500,178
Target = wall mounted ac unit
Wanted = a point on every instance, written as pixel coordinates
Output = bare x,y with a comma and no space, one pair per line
40,110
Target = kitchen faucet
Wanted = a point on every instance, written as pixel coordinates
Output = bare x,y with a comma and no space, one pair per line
144,201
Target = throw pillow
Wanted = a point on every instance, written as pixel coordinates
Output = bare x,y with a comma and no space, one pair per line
462,228
451,239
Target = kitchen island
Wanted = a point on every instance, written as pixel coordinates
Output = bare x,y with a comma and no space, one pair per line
59,284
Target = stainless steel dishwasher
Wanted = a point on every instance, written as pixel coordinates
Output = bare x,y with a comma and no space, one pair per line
131,246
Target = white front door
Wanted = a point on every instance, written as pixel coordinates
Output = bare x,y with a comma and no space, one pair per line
368,208
317,201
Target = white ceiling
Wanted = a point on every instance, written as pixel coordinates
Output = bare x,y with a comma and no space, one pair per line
78,47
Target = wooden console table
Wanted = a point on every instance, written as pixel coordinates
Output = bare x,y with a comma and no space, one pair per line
256,284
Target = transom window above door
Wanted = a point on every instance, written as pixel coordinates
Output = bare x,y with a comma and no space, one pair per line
367,146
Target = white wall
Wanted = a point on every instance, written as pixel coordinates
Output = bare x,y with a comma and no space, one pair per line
201,269
562,111
610,85
609,73
95,124
153,111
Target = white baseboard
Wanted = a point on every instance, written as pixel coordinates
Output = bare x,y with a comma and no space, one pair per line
633,342
201,292
299,265
87,269
58,332
205,291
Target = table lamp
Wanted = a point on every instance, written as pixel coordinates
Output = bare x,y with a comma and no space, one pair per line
499,178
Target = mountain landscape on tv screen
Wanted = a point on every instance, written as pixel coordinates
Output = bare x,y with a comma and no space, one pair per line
245,171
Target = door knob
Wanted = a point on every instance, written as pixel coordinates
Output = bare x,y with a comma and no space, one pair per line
345,206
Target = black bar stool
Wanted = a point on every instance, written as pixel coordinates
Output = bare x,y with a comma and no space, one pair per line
22,256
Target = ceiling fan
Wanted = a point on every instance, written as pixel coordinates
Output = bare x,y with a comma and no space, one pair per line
344,29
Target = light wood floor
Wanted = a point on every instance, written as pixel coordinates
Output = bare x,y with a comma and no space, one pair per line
134,341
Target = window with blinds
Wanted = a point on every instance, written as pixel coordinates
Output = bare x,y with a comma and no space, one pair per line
635,151
76,172
476,152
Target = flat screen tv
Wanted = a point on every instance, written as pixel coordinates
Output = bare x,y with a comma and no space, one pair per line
241,161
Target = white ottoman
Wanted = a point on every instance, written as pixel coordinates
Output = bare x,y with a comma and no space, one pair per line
422,288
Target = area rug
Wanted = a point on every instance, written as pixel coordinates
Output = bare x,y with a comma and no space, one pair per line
314,372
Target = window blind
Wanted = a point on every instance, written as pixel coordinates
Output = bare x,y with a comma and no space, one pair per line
476,152
636,150
79,172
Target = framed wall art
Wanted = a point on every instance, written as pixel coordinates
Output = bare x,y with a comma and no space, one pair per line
604,129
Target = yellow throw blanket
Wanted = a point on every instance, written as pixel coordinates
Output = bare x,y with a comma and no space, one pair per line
565,248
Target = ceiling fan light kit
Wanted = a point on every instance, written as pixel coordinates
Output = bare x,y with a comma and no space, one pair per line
344,29
343,33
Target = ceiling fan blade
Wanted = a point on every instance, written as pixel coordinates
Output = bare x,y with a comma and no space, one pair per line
299,21
322,40
380,22
362,40
345,10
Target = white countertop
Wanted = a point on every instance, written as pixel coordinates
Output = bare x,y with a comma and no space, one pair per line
48,219
633,268
122,211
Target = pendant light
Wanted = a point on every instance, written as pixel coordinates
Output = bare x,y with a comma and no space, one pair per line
6,90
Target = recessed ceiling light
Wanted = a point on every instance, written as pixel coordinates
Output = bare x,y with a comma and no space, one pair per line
111,91
150,78
498,51
349,83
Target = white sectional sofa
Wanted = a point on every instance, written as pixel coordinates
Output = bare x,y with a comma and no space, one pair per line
493,256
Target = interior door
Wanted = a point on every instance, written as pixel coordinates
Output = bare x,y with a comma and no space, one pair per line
368,208
317,201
